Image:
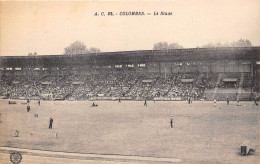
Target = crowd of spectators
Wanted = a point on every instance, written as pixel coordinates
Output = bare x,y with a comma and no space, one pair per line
136,85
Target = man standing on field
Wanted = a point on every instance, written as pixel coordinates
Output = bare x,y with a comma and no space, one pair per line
256,101
51,122
28,108
145,103
227,101
171,122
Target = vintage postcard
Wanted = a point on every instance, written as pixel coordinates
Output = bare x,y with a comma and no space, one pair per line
134,82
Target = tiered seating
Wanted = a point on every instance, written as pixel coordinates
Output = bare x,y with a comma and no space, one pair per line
125,83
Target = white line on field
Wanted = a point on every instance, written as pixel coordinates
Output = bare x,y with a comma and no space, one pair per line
107,156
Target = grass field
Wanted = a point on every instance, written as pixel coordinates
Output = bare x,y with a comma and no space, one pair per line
201,133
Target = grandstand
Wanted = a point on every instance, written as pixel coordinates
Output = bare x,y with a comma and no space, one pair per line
199,73
129,132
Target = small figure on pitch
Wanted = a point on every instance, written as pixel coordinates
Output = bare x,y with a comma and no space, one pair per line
171,121
51,122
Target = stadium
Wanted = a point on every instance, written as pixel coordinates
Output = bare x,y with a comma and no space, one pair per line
121,129
199,73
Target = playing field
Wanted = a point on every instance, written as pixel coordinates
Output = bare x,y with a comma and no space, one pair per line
201,133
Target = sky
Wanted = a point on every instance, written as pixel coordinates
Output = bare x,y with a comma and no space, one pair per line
48,27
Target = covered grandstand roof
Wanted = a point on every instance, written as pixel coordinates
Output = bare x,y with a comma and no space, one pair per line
106,58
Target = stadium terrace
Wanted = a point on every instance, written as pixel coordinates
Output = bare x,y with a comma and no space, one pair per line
168,75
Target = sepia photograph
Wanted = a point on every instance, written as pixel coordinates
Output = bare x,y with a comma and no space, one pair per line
133,82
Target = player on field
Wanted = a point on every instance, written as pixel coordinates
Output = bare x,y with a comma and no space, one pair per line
171,121
51,122
215,102
256,101
238,104
56,135
28,108
39,102
227,101
145,103
94,105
